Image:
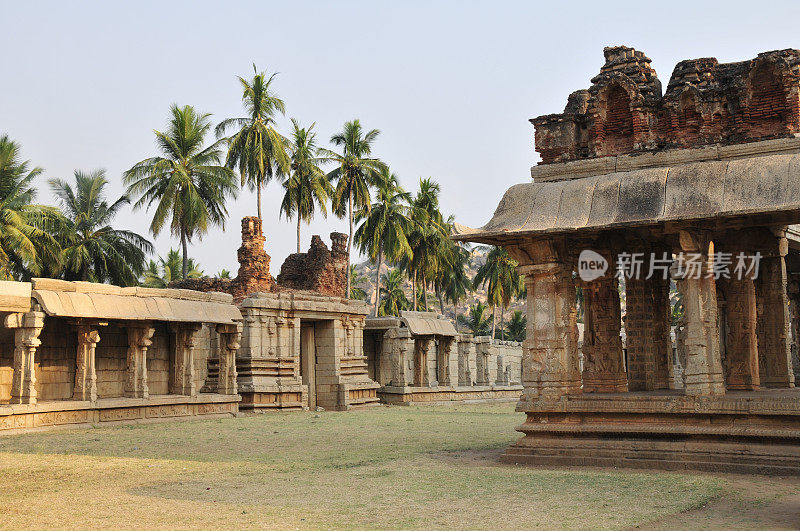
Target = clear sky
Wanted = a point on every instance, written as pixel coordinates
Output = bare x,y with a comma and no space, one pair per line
450,84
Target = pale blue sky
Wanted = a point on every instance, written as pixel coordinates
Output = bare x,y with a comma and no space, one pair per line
451,85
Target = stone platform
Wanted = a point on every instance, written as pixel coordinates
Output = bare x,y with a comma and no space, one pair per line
15,418
408,396
740,432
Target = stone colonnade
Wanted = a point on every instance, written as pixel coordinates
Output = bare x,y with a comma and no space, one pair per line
751,309
29,325
406,360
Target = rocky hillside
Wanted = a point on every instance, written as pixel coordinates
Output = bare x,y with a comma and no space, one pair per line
477,258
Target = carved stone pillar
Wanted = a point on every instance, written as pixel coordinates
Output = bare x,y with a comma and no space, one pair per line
550,366
740,342
183,362
774,338
482,354
139,340
27,327
443,353
229,340
663,358
603,358
85,375
639,334
465,351
400,346
421,346
703,370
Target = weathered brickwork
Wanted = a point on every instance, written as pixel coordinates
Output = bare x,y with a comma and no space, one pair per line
706,102
320,270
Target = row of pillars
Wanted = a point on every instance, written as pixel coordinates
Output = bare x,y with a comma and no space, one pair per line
28,326
756,311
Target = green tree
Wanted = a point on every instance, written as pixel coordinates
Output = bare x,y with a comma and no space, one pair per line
517,326
382,233
26,246
307,185
476,321
354,173
499,275
188,185
455,284
355,280
392,297
93,250
159,275
256,148
428,239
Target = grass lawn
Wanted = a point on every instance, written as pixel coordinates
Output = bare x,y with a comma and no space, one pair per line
382,467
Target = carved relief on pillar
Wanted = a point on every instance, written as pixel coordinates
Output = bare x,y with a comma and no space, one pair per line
741,348
550,367
183,361
421,347
229,342
603,358
465,352
139,340
27,328
703,370
85,373
774,337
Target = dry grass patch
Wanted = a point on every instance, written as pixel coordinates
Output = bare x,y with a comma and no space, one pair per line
382,467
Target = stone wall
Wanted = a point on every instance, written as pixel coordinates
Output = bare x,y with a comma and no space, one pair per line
706,102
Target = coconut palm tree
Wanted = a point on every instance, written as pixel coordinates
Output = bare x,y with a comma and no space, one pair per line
392,297
354,173
428,239
307,185
93,250
476,321
256,148
159,275
499,275
455,284
517,326
26,246
382,232
355,281
187,185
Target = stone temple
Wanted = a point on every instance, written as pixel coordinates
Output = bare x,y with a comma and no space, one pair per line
702,182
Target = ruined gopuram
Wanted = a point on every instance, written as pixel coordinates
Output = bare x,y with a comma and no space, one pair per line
84,353
420,358
302,339
694,189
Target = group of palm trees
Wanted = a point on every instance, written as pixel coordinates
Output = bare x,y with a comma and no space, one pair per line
188,183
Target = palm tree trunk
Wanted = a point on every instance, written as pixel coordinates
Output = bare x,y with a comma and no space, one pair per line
414,289
441,301
298,231
378,280
350,239
424,292
184,246
494,320
502,323
258,198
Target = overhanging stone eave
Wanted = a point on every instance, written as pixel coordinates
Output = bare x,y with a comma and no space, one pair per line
756,216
